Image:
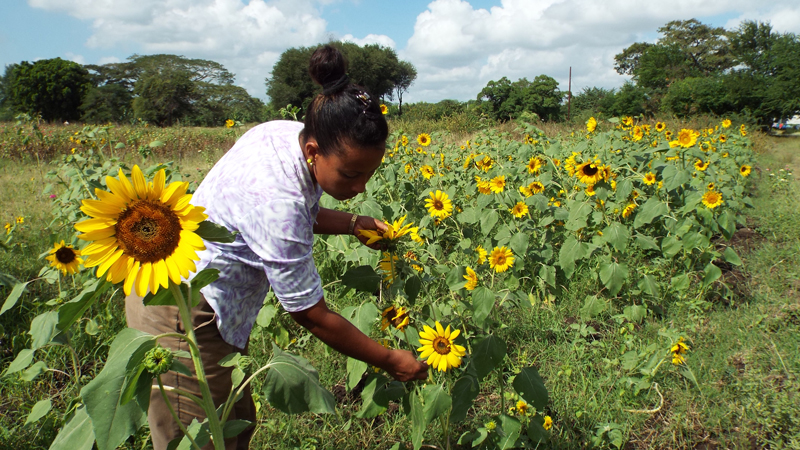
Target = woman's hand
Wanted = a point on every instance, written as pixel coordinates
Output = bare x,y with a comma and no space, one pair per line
369,223
404,366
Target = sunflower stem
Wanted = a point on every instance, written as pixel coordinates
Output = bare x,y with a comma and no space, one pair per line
502,394
208,401
174,414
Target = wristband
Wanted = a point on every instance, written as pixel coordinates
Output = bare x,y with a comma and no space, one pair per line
352,224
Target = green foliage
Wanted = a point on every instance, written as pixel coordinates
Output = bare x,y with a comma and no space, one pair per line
53,88
504,100
164,95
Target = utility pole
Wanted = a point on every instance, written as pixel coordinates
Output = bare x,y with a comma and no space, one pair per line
569,94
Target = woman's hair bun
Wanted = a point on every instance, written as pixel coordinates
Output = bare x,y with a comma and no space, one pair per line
327,67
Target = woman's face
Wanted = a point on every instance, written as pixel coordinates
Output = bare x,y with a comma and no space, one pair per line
344,175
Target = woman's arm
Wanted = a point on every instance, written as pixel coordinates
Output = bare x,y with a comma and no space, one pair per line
344,337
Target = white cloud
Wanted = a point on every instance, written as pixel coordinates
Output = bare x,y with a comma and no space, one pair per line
369,39
75,58
108,60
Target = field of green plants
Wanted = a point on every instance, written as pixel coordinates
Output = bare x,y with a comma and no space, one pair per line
622,284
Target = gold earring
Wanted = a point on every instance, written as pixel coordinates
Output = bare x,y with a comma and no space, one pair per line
310,161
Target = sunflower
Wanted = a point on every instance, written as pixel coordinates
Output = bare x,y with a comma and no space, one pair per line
501,259
726,123
742,130
394,231
526,191
439,205
711,186
484,187
745,170
229,123
415,235
384,109
724,155
660,126
485,163
627,121
472,279
534,164
705,146
591,124
404,140
649,178
142,232
548,423
20,220
519,210
637,133
536,187
424,139
394,316
687,138
388,265
481,254
427,171
590,190
712,199
723,138
589,173
498,184
628,210
522,407
678,350
439,348
8,228
668,134
65,258
700,165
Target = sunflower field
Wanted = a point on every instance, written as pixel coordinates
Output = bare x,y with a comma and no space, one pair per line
636,213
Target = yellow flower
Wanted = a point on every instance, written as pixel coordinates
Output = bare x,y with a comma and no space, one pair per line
534,164
628,210
404,140
485,163
424,139
408,167
439,348
415,235
384,109
687,138
519,210
439,205
589,173
591,124
481,254
501,259
394,316
678,359
700,165
536,187
484,187
725,155
142,232
427,171
526,191
20,220
744,170
229,123
548,423
711,186
65,258
394,231
712,199
726,123
8,228
649,178
522,407
723,138
490,425
388,265
637,133
627,121
590,190
742,130
660,126
498,184
679,347
472,279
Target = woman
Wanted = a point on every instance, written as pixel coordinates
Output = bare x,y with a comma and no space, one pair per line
267,190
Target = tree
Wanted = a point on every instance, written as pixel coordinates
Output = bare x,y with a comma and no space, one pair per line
289,83
504,100
405,76
6,110
217,103
164,95
52,87
107,103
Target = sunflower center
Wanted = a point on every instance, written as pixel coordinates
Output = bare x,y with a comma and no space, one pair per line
148,231
65,255
590,170
501,259
438,205
441,345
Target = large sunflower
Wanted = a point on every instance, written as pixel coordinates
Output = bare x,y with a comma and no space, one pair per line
394,231
501,259
424,139
687,138
65,258
536,187
712,199
660,126
498,184
439,205
519,210
534,164
589,173
142,232
591,124
628,210
427,171
726,123
439,347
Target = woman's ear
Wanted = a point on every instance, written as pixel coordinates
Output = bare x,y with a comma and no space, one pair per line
311,149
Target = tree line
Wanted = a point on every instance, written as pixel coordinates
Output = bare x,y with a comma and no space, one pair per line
751,72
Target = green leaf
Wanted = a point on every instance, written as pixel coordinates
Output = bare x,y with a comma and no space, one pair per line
412,287
21,362
617,235
204,278
13,297
34,371
651,209
571,251
44,328
418,424
355,370
198,431
727,223
371,208
634,313
363,316
711,274
7,280
470,216
362,278
519,244
70,312
482,304
730,256
233,428
530,386
488,221
374,397
509,431
292,385
39,410
592,306
91,328
156,143
113,423
536,432
649,285
76,434
464,392
437,402
674,177
646,242
212,232
671,246
487,354
548,274
680,283
266,315
613,276
578,214
455,278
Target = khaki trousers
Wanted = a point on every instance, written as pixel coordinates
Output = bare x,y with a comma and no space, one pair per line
166,319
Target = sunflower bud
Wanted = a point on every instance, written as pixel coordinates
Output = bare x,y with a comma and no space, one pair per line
158,360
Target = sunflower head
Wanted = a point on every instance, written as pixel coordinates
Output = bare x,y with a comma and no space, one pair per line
472,279
589,173
649,178
498,184
394,316
427,171
536,187
687,138
65,258
712,199
501,259
591,124
439,205
660,126
745,170
384,109
519,210
534,164
439,347
424,139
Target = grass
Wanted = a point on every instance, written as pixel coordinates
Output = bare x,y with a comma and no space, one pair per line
744,348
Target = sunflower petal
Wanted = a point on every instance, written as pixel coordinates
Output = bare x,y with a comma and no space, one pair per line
95,224
161,273
174,271
105,265
143,282
131,278
139,182
159,181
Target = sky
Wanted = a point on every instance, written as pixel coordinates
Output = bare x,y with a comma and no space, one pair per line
456,46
